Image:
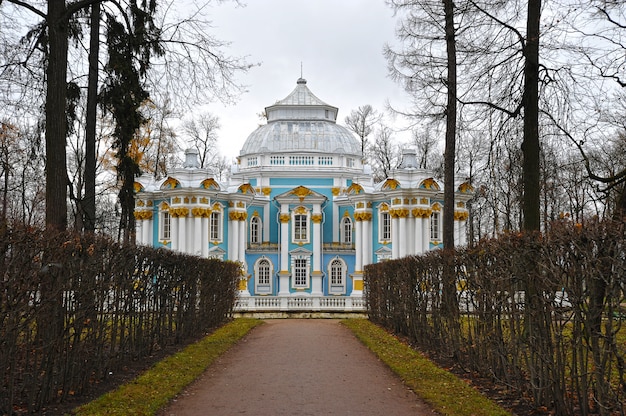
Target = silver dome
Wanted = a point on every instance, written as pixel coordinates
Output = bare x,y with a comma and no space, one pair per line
301,123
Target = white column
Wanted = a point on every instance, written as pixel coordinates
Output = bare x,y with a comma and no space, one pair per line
243,240
358,245
366,232
204,225
316,276
410,227
425,234
419,245
182,234
283,275
197,235
402,238
266,223
174,232
463,233
233,236
395,238
457,232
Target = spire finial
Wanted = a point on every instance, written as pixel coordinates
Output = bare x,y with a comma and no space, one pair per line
301,70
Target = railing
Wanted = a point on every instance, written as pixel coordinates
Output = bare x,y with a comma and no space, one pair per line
300,303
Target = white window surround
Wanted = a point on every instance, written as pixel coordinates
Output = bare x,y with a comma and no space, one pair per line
435,225
346,230
337,271
263,272
300,230
216,231
384,226
300,271
165,225
256,230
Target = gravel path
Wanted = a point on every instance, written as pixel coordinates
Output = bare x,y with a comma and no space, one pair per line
298,367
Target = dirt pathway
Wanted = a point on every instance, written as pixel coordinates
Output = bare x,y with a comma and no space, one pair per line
298,367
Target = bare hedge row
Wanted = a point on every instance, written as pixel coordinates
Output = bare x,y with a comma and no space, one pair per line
542,315
74,308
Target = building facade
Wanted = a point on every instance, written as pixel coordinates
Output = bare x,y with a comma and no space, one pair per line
300,211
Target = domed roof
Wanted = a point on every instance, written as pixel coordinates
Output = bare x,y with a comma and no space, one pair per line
301,122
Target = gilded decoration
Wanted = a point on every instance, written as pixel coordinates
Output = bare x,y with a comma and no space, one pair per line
461,215
201,212
284,218
150,203
204,200
255,213
414,201
137,187
179,212
391,184
346,214
176,200
360,205
336,190
194,200
143,215
466,188
399,213
422,212
355,188
460,204
383,207
237,215
186,200
316,218
301,192
165,206
436,207
140,203
217,207
210,184
362,216
300,210
246,188
241,204
266,191
396,201
170,183
431,184
424,201
231,204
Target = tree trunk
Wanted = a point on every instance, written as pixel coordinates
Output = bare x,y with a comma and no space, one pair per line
451,307
56,123
89,201
530,145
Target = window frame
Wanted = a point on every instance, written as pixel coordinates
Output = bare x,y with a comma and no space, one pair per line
165,225
337,272
263,287
215,221
256,230
300,222
300,263
384,226
347,236
435,226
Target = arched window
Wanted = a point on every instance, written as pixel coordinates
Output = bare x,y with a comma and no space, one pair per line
263,274
256,229
337,272
346,230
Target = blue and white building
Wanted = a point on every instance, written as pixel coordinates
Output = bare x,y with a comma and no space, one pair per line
300,211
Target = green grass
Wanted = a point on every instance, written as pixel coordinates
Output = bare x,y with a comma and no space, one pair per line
156,387
445,392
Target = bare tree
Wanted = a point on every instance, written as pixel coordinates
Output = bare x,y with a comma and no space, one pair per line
362,122
385,153
202,131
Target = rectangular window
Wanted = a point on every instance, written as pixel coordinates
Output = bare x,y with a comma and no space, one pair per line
300,227
350,162
166,226
214,226
385,226
434,226
300,273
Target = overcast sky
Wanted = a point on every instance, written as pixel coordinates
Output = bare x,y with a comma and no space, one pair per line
338,43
